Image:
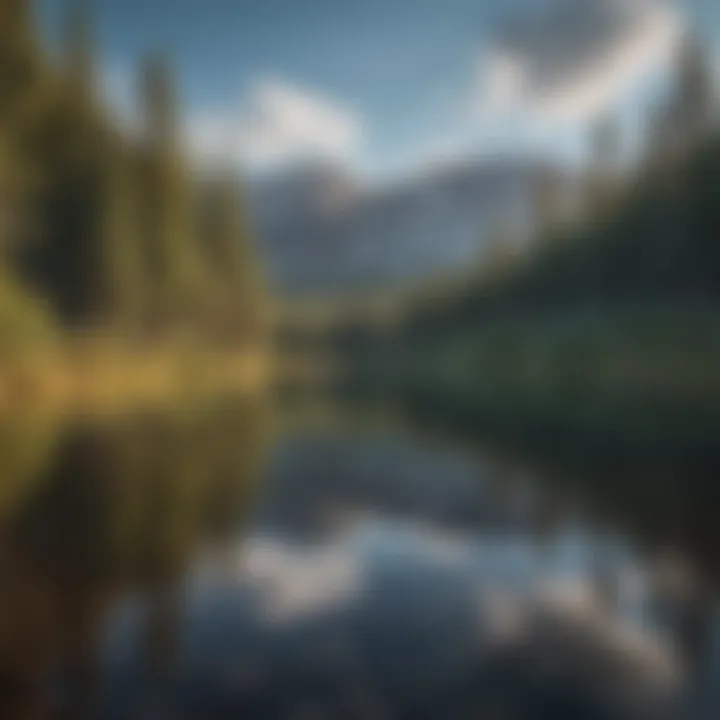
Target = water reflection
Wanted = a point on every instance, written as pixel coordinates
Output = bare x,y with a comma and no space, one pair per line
184,566
123,507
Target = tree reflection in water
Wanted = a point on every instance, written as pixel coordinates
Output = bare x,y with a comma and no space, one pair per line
381,573
123,506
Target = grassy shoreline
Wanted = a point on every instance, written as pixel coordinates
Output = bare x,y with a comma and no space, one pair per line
95,374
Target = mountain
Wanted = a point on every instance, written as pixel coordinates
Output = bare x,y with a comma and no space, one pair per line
322,231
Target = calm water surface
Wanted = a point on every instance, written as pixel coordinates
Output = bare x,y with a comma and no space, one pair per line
205,566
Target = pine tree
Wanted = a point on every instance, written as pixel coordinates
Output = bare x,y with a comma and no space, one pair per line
691,109
108,263
72,149
167,213
80,50
19,59
223,235
117,274
159,96
21,107
695,95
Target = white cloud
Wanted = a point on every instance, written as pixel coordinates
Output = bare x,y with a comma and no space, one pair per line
297,583
276,124
578,64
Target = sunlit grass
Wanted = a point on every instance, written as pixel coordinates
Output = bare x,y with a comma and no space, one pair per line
96,374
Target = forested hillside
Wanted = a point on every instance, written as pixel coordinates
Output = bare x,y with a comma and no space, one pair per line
103,230
603,329
659,244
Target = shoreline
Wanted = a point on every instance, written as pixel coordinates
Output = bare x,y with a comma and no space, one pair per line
92,375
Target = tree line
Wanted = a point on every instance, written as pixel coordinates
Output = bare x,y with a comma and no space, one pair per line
101,228
658,246
651,238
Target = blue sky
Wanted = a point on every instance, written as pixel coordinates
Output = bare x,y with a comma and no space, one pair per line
382,84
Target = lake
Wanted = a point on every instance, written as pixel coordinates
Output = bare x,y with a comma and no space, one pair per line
242,561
